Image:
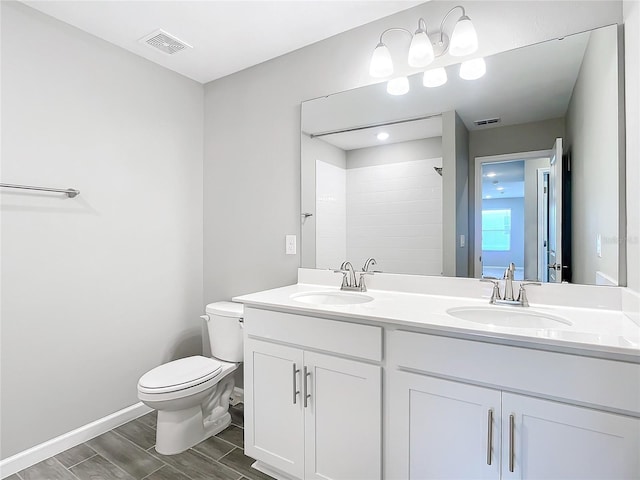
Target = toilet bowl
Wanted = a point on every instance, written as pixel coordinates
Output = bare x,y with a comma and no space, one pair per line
192,394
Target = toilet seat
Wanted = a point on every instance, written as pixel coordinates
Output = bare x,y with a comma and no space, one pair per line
181,374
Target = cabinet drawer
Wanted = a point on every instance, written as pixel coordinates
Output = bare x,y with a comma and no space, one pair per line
611,384
349,339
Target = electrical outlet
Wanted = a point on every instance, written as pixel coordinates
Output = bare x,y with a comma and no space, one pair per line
290,242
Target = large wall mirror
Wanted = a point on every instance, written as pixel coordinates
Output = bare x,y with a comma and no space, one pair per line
524,165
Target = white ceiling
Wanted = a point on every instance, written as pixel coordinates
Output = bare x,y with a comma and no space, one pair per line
508,181
227,36
399,132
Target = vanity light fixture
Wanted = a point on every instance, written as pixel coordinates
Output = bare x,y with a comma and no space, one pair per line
425,47
473,69
434,78
382,136
398,86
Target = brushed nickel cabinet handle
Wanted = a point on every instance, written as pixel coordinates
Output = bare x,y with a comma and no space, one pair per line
489,435
306,395
512,427
295,383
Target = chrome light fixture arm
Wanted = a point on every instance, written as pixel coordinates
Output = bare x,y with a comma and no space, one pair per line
442,35
398,29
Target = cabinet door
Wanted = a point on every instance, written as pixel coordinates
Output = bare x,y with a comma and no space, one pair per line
343,419
550,440
274,422
439,429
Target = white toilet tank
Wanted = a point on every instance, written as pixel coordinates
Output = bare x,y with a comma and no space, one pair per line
224,322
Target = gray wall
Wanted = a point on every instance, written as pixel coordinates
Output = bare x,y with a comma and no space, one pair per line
455,191
632,119
592,137
502,140
252,130
98,289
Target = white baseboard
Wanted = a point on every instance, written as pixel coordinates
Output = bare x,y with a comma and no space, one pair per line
272,472
57,445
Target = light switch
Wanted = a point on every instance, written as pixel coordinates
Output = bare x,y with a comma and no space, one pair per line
290,241
599,245
462,241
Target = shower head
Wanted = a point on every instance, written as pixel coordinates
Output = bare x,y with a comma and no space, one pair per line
438,170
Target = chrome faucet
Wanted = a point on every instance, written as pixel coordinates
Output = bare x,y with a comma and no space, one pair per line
508,281
349,280
368,263
508,298
348,276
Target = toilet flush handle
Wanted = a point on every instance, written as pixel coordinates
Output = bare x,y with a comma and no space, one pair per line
205,317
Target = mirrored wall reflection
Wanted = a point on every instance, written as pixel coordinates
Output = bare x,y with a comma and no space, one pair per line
379,199
554,100
391,211
502,218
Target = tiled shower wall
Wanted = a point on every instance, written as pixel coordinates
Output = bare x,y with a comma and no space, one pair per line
331,215
394,213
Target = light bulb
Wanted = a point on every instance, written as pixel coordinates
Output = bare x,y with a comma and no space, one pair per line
382,136
435,77
398,86
421,51
464,39
473,69
381,64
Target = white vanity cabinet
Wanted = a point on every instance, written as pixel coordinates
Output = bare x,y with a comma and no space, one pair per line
441,429
311,412
449,428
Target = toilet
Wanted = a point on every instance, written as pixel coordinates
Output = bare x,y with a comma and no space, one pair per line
192,394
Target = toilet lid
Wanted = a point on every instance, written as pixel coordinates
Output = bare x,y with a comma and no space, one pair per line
181,374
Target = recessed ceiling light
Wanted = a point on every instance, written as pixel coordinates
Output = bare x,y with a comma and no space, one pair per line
491,174
500,189
382,136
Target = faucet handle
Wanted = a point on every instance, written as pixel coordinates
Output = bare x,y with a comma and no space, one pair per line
522,293
495,292
345,281
361,285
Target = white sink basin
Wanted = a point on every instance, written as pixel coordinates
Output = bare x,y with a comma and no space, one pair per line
331,298
514,317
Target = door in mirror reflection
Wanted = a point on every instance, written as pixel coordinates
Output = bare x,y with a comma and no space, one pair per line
556,195
514,215
503,218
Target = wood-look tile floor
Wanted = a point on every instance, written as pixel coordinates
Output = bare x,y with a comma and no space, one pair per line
128,453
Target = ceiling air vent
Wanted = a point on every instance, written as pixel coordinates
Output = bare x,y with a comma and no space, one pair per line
165,42
487,121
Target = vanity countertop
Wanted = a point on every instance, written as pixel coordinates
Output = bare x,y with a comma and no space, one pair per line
600,333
